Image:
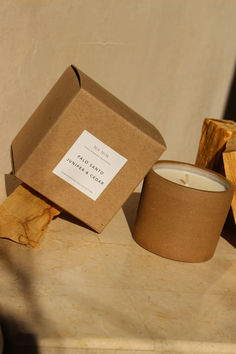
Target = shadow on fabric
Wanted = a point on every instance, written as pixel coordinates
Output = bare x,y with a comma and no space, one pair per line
15,339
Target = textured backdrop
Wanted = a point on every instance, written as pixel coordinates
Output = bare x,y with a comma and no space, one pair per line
170,60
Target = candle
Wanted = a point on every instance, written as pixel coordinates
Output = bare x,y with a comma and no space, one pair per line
190,176
182,211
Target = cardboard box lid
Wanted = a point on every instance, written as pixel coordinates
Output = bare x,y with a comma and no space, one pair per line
78,108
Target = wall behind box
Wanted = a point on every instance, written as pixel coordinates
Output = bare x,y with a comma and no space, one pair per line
170,60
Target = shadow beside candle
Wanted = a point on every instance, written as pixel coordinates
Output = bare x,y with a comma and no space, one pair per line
229,229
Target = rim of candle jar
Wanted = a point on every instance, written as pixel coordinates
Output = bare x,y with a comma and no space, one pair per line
204,172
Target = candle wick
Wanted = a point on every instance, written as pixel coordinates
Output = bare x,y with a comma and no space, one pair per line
185,180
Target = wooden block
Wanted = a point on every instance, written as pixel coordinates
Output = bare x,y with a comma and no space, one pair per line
229,158
215,134
25,215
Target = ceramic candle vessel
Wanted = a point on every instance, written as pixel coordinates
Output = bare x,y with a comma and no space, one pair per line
182,211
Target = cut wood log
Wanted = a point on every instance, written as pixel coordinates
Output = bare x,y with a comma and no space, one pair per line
25,216
215,134
229,158
217,150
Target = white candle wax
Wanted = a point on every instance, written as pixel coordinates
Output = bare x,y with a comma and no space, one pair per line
190,176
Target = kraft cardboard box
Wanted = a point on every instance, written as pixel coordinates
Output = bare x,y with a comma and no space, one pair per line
85,150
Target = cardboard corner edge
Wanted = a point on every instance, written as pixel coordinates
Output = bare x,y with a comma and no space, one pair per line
19,149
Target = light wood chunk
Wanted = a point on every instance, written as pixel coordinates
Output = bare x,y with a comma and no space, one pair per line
25,215
229,158
215,134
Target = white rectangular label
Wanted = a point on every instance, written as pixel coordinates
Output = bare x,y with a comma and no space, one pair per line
89,165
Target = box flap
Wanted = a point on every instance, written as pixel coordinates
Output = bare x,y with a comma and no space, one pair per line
119,107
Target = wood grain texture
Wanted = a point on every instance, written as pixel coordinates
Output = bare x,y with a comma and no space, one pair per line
229,158
215,134
217,150
25,216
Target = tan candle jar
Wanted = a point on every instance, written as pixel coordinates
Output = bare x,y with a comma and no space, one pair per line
178,221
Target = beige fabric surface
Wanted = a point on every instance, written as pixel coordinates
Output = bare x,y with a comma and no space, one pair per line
170,60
